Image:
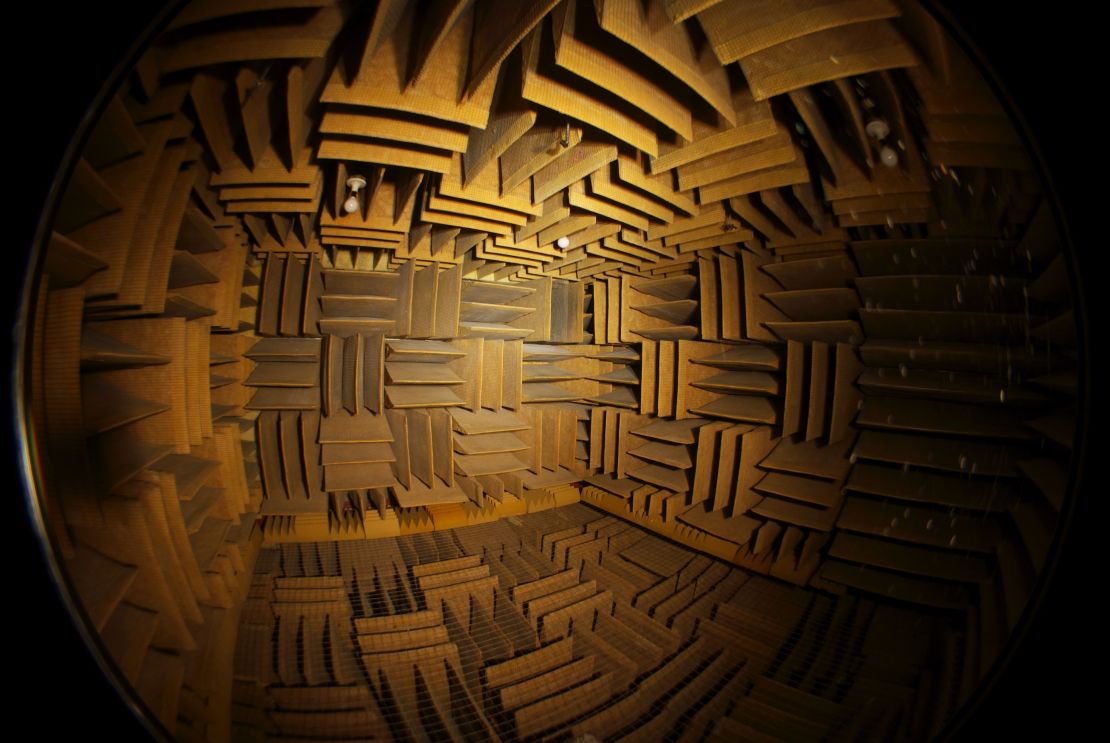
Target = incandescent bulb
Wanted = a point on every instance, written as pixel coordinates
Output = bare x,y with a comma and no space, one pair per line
888,156
563,242
355,182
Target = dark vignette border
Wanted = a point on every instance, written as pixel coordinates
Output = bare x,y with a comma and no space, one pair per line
1034,60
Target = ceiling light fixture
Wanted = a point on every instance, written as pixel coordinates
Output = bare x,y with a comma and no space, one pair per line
355,182
877,129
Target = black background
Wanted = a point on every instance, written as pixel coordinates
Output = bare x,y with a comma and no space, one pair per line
61,54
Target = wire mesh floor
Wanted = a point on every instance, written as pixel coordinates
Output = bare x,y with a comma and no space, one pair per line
567,624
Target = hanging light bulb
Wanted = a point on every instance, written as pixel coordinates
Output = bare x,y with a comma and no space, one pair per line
888,156
355,182
563,242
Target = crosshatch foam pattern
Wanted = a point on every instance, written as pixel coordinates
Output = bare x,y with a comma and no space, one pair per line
562,625
657,257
